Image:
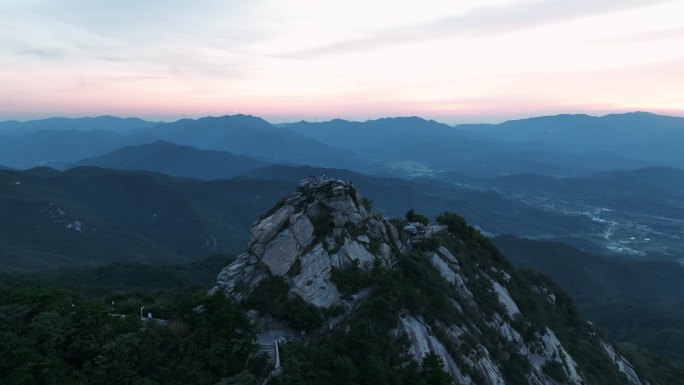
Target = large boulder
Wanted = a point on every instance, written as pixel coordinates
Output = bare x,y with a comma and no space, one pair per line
281,253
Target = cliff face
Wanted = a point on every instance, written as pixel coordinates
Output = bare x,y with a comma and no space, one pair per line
495,316
322,226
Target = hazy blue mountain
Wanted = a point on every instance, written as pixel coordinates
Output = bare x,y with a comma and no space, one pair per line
554,145
563,145
373,136
252,136
400,139
637,135
61,141
177,160
414,146
582,132
57,148
92,216
107,123
633,300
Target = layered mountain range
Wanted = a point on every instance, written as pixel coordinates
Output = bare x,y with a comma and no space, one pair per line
408,146
586,200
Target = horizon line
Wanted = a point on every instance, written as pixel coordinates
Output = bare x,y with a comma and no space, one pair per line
352,120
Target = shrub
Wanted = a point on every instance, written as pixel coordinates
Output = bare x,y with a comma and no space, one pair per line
412,216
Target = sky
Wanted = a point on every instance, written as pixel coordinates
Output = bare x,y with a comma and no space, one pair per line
286,60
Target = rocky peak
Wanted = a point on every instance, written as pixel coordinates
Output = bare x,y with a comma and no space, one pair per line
486,322
324,224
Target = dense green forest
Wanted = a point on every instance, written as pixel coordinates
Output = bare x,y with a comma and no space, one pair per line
53,336
92,333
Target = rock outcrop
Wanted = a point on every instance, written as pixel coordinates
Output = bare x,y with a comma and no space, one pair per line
324,225
321,226
623,365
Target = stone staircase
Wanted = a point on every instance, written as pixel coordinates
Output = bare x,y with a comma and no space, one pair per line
273,357
270,350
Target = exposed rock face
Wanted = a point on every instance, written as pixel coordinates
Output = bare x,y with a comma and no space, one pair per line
550,349
542,350
323,225
312,283
423,341
352,250
505,299
266,229
448,267
281,253
623,365
302,229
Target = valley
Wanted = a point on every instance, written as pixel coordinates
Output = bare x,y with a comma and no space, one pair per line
624,233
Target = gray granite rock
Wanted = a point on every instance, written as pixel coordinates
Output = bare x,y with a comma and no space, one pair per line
283,244
352,250
281,253
302,229
264,230
313,284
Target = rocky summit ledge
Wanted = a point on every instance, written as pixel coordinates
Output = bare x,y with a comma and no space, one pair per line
316,182
323,225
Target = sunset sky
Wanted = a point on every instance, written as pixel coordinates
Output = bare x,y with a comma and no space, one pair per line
285,60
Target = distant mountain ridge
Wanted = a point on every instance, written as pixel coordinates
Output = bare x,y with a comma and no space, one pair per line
252,136
404,146
176,160
551,145
90,216
72,140
57,148
561,145
638,135
373,133
559,128
113,206
107,123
